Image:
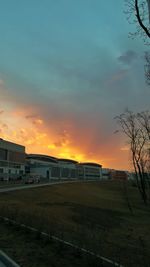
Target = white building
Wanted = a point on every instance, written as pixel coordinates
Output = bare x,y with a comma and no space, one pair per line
48,167
89,170
12,160
68,168
42,166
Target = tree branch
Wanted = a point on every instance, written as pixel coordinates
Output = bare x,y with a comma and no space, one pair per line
140,20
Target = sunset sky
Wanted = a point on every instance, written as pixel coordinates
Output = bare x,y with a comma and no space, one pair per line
67,68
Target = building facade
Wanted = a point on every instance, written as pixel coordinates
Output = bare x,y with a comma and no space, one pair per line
68,168
12,160
47,167
89,171
106,173
119,175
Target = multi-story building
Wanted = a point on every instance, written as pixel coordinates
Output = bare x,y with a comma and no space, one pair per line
12,160
68,168
106,173
89,170
42,166
14,163
119,175
49,167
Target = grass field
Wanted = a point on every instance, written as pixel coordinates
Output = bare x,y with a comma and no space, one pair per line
31,250
93,215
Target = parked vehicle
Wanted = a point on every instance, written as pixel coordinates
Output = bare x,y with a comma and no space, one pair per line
32,179
29,181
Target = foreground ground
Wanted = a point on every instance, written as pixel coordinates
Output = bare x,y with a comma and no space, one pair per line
32,250
105,217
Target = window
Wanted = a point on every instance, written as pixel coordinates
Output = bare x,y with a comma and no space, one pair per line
16,156
3,154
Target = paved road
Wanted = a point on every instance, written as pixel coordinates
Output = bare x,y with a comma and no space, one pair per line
2,190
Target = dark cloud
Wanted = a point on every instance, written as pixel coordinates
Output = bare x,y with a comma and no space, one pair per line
128,57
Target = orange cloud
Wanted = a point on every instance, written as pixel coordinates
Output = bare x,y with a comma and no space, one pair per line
60,136
38,138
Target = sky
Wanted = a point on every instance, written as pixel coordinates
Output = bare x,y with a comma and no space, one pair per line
67,68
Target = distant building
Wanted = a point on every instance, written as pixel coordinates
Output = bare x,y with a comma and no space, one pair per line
119,175
68,168
12,160
106,173
49,167
42,166
89,170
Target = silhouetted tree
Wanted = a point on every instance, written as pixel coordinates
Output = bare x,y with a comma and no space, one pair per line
138,12
137,129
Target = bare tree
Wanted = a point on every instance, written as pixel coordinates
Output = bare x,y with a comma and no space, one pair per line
138,12
144,121
136,128
141,17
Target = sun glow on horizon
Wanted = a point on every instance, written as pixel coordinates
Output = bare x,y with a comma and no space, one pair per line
38,145
30,130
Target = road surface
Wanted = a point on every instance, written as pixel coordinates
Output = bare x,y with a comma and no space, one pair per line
20,187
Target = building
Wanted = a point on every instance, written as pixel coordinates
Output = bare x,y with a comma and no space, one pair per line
42,166
47,167
89,170
12,160
119,175
68,168
14,164
106,173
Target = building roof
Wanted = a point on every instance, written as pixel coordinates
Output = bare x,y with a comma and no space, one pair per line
11,146
68,161
57,160
91,164
42,158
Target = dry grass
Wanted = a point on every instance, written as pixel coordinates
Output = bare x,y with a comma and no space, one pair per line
31,250
94,215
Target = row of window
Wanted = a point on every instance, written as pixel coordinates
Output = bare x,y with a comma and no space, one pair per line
13,156
10,171
9,164
63,172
